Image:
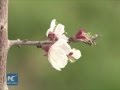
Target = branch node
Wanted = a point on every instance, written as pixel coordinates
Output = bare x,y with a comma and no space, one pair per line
25,40
39,45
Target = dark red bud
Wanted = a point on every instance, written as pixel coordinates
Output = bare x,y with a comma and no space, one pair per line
80,34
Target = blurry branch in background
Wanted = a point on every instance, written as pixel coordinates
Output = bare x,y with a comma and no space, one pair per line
3,43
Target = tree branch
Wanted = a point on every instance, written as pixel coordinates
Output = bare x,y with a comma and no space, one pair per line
39,44
3,43
19,42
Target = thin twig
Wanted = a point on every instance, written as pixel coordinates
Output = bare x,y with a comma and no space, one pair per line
39,44
19,42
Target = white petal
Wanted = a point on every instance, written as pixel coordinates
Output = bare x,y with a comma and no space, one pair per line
76,53
59,42
59,29
48,31
63,45
52,27
63,37
57,58
53,23
66,48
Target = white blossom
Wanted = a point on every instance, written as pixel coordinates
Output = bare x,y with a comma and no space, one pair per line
60,53
57,30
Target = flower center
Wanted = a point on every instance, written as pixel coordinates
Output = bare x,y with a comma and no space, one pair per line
52,36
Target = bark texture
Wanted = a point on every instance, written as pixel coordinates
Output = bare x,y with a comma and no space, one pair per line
3,42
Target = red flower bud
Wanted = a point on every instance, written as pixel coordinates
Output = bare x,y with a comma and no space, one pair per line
82,36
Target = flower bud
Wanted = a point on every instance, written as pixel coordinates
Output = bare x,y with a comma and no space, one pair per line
83,36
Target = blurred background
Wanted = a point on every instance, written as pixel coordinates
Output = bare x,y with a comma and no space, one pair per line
99,66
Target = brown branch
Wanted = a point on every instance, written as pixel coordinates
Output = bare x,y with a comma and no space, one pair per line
3,42
19,42
39,44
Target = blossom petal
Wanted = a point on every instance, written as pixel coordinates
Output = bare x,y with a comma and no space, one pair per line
53,23
59,29
63,37
76,53
63,45
48,31
52,27
57,58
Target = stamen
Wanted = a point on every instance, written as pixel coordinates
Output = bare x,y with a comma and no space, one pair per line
52,36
